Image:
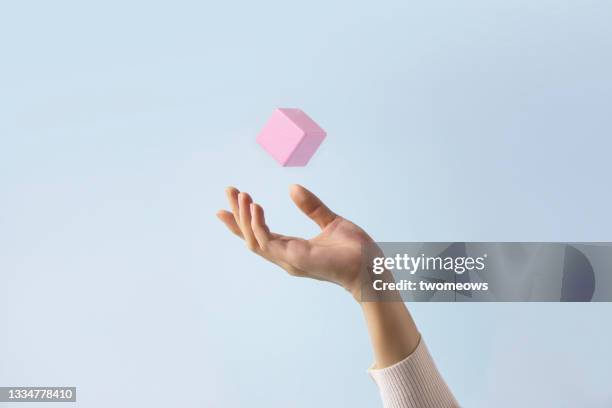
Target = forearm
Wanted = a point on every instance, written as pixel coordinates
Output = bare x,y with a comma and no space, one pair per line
392,331
404,371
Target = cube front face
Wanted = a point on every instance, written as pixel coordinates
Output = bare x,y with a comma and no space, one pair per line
280,137
291,137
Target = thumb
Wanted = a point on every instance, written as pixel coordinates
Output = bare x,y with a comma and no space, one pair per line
311,205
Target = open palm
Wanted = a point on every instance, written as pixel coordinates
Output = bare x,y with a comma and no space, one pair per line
334,255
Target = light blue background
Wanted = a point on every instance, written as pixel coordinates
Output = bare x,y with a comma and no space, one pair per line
122,121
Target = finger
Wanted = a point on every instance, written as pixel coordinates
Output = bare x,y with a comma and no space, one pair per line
264,235
230,222
232,198
258,224
311,205
244,209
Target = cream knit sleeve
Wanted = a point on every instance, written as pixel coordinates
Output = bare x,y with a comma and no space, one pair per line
413,383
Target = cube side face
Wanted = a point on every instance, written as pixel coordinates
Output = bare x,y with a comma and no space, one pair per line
306,149
280,137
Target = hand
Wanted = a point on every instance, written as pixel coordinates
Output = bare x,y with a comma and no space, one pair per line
335,255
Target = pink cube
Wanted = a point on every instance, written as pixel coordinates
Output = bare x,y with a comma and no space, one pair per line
291,137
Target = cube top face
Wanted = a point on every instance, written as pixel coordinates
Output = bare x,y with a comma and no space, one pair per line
302,120
291,137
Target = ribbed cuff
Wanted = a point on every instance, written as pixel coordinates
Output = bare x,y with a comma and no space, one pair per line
413,383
